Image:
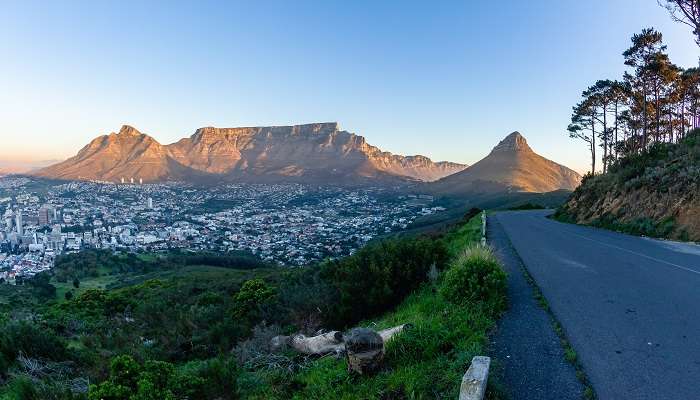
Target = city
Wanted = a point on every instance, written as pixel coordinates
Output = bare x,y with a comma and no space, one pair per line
288,224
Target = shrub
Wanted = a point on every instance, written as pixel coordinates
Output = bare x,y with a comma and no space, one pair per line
30,340
159,380
476,277
379,276
253,293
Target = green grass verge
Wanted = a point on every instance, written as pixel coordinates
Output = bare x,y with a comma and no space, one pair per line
424,362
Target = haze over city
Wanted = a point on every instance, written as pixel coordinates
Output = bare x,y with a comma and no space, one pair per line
445,80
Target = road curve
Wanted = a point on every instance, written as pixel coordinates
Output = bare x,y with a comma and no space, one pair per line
629,305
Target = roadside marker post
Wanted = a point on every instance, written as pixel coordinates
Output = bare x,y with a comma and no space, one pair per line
483,229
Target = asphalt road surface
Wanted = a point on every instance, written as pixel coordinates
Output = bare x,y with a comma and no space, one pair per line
629,305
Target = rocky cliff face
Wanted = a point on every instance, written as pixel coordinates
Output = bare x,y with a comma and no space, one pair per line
318,153
512,166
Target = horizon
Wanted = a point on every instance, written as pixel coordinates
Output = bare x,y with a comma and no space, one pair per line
394,77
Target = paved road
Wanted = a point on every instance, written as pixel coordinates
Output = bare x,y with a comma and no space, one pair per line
528,356
629,305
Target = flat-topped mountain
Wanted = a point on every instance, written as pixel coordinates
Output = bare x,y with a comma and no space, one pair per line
313,153
511,166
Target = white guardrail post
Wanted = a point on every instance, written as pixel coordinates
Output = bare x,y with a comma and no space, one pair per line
474,381
483,229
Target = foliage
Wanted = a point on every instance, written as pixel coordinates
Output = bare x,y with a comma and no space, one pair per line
254,293
527,206
380,275
158,380
476,277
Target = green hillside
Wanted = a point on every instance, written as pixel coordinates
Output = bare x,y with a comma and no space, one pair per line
653,193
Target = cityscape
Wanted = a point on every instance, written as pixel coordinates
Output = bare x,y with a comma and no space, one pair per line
285,224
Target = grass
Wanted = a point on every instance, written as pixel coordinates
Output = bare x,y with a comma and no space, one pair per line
426,361
111,281
464,236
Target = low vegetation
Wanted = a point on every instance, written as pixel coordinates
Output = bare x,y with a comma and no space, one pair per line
185,326
426,361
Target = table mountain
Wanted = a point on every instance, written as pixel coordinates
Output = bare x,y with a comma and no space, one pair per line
512,166
311,153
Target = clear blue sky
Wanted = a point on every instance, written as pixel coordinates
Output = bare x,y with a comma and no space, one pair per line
439,78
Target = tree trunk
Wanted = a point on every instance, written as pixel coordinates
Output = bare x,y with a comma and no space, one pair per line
605,138
593,143
616,139
365,351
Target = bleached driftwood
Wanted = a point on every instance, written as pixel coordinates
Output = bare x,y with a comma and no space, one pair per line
326,343
389,333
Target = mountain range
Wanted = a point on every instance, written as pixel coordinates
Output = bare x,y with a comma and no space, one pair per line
319,153
311,153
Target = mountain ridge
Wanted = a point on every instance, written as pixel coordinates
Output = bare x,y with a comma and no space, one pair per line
316,153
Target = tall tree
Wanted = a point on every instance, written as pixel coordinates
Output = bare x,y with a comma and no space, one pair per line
619,95
600,95
582,126
690,100
645,47
686,12
661,74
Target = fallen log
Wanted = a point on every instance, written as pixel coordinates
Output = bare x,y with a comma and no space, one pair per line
389,333
327,343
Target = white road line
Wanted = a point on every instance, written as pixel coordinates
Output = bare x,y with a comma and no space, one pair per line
637,254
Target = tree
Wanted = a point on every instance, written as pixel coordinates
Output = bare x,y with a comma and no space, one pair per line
661,73
686,12
582,126
619,95
640,55
689,100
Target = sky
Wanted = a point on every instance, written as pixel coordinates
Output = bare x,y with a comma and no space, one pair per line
445,79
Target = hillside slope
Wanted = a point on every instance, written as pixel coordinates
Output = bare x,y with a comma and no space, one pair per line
653,194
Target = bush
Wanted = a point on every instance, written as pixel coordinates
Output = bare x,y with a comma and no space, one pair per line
476,277
30,340
254,293
379,276
159,380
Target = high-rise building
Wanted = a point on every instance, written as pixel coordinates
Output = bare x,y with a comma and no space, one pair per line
149,203
18,222
9,215
45,214
56,240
